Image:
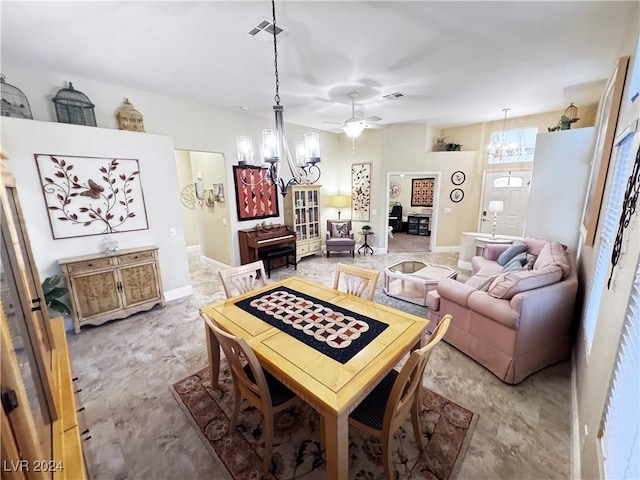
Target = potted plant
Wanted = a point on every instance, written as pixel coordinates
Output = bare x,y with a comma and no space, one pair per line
52,293
366,228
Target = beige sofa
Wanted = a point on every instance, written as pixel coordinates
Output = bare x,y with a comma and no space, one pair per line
513,323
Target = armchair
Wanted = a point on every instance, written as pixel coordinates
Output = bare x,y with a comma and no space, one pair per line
340,237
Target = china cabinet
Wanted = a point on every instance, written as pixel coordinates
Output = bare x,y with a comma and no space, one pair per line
40,428
302,215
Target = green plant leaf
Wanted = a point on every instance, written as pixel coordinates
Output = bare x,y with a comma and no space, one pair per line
52,293
50,283
58,306
56,292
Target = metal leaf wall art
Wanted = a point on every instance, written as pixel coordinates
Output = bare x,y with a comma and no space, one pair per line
91,196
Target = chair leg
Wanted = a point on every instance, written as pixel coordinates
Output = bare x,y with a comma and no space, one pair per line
268,442
386,457
236,408
415,419
327,253
353,253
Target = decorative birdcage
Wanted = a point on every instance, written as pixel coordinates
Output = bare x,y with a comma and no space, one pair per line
14,103
73,106
571,112
129,118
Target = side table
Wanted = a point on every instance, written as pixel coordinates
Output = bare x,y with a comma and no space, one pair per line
482,242
365,245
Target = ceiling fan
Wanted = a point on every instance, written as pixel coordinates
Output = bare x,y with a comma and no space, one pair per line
354,126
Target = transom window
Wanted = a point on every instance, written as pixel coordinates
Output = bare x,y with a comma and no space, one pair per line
511,146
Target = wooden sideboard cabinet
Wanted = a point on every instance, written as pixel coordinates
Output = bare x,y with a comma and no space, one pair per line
105,287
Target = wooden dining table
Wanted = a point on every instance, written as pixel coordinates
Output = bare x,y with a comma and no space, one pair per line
333,388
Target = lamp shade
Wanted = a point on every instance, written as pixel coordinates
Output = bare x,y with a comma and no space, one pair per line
495,206
339,201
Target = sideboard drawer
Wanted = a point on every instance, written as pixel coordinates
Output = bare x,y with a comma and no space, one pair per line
135,257
90,265
315,246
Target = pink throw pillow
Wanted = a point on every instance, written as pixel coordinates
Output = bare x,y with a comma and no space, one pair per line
509,284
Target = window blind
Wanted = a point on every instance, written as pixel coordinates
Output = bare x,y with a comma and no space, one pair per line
621,429
610,216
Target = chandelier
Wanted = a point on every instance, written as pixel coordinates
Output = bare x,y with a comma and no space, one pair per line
503,148
305,169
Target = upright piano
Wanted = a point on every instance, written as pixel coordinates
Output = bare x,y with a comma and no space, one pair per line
255,241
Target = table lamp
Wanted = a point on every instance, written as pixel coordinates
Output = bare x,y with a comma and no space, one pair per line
495,207
339,201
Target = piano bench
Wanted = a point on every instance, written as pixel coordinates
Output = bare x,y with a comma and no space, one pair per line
287,252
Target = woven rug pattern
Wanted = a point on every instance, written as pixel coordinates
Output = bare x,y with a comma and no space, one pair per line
297,454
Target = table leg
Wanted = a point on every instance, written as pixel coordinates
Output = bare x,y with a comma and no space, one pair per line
336,429
213,352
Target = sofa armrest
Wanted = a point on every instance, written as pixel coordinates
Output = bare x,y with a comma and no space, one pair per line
328,235
351,234
454,291
493,250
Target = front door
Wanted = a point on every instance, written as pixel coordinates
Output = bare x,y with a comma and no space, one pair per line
512,187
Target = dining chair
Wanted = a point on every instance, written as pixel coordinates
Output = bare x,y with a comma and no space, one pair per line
386,407
243,278
250,381
356,280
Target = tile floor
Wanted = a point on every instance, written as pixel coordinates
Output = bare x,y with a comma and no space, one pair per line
126,367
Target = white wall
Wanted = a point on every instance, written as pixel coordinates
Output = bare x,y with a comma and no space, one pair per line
192,126
21,139
558,185
185,177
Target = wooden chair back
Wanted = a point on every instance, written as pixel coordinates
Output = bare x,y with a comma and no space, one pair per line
244,278
407,387
356,280
238,354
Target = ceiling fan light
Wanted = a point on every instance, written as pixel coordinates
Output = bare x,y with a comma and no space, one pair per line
353,129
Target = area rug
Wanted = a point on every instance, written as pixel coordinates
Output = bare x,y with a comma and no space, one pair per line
297,454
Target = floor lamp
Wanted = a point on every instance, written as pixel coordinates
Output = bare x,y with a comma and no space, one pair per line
339,201
495,207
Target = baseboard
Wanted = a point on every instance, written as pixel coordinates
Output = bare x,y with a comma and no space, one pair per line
447,249
193,249
214,263
575,423
177,293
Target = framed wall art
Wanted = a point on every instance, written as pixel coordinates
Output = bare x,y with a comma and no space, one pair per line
361,192
458,177
422,192
256,197
456,195
90,195
606,121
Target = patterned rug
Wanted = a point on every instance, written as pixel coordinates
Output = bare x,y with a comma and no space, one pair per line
447,429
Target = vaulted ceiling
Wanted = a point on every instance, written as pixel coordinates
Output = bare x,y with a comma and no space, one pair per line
454,62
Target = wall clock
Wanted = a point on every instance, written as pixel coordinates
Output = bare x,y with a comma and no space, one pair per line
458,177
456,195
394,189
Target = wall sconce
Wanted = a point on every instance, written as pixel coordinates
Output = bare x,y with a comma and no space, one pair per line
199,187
